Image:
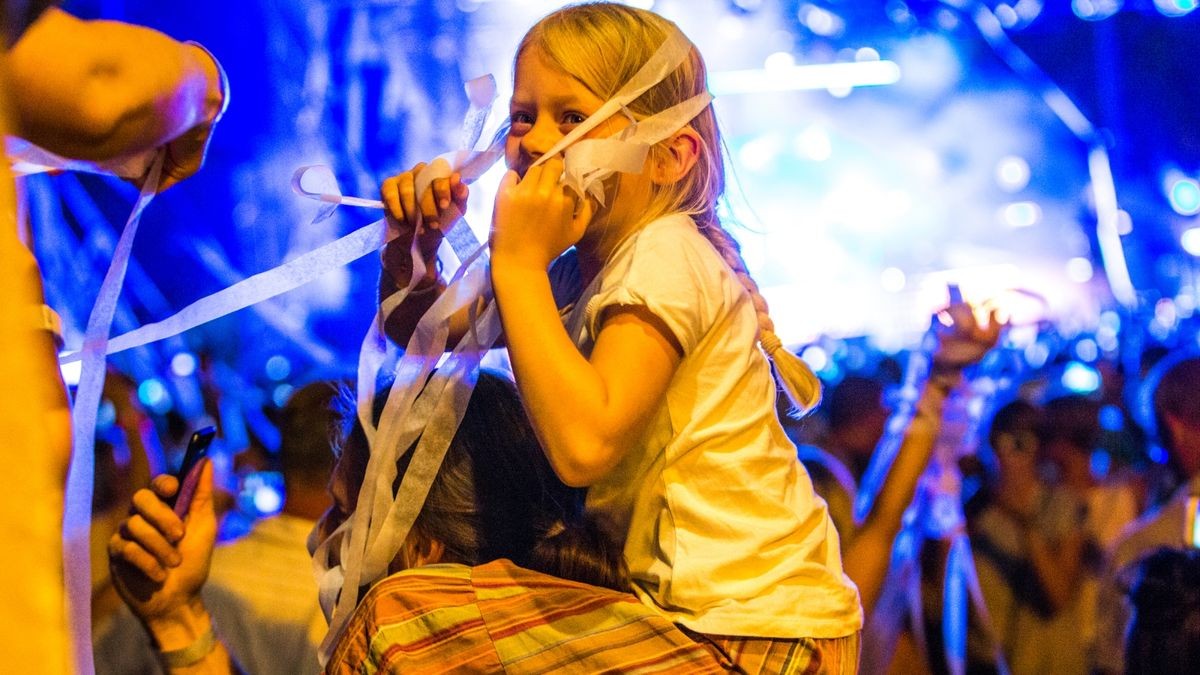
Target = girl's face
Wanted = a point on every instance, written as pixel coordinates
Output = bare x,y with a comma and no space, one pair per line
547,104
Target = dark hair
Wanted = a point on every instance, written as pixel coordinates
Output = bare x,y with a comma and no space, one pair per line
1073,419
1164,637
848,400
1176,394
496,496
1016,416
309,426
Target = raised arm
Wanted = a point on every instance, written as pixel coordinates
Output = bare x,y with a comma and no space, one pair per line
426,217
102,90
868,554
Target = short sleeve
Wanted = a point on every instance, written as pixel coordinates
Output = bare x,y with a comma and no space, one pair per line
672,271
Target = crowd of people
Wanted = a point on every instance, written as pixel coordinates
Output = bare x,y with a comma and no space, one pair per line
630,497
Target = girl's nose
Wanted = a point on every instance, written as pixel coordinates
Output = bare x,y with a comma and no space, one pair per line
539,139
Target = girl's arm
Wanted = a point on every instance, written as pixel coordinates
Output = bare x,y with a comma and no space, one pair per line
587,412
439,207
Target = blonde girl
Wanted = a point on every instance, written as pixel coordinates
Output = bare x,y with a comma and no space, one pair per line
639,355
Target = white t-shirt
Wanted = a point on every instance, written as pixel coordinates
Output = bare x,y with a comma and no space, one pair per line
722,530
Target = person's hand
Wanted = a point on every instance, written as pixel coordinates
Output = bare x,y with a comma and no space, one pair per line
185,155
158,561
965,340
536,217
426,216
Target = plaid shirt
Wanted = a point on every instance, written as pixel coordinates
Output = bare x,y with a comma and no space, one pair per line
502,618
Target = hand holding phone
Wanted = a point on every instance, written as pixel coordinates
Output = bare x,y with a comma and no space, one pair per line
189,470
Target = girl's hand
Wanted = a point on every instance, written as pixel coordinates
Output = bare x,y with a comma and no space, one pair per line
536,217
425,216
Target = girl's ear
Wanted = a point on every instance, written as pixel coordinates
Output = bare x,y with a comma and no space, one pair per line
682,153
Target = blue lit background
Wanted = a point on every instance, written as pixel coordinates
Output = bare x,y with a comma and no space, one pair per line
858,204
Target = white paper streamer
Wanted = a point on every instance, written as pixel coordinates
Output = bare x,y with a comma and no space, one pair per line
77,512
27,159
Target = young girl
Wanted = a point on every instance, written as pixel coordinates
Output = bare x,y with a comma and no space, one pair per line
638,357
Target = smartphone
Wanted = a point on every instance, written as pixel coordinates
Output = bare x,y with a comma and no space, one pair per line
1191,523
189,470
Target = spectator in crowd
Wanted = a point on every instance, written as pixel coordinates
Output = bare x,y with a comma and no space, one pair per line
261,589
1028,544
1164,637
1177,428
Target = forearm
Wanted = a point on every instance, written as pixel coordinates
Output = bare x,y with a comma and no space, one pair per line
100,90
564,394
186,630
920,437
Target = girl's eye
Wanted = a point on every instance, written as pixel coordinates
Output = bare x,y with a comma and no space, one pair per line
520,119
573,118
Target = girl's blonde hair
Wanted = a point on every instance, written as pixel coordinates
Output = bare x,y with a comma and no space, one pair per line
602,45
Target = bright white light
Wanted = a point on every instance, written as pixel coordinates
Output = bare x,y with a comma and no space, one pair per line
1080,378
1022,214
1190,239
267,499
820,21
813,143
71,372
731,27
1165,314
893,280
757,154
1007,15
183,364
840,91
779,61
1080,270
866,54
815,357
1036,354
1028,10
1124,222
1012,174
1095,10
794,78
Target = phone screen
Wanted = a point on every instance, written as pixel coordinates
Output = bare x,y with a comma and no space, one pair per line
189,473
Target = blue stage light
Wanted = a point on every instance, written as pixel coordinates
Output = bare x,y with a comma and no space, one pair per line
1184,195
154,395
1176,7
281,394
278,367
